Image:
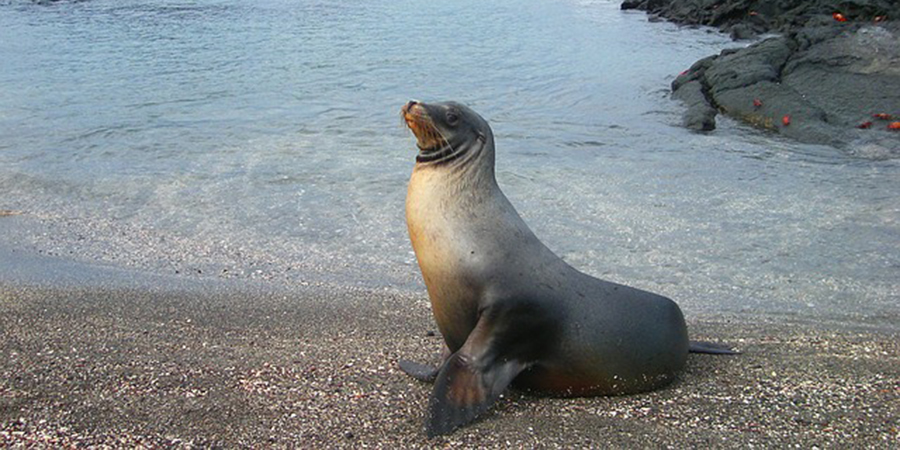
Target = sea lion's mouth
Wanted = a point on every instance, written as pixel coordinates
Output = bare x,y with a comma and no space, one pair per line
427,135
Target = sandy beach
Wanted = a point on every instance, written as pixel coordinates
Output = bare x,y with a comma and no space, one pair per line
126,359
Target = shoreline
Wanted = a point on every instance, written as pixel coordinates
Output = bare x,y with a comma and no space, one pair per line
59,265
140,361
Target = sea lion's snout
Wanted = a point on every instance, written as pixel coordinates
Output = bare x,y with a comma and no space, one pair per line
412,109
421,124
409,111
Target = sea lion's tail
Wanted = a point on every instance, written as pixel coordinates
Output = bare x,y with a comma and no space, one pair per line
711,348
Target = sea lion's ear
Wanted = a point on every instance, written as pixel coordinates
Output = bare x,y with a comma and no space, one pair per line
469,382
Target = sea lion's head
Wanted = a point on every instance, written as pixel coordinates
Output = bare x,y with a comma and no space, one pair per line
446,131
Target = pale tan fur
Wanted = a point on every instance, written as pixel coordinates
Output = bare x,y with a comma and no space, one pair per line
453,298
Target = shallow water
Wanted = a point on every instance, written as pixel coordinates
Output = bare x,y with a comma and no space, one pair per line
262,139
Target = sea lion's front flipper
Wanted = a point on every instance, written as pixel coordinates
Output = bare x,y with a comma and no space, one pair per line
471,380
418,371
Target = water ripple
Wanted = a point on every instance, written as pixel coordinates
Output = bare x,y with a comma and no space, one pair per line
269,128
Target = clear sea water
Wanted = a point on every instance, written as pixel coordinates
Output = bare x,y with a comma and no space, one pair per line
226,138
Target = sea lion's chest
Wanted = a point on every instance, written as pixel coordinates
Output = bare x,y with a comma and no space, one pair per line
442,243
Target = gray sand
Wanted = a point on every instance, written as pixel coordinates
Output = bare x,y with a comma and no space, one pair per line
122,361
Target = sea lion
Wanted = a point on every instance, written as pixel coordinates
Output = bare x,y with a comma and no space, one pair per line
509,309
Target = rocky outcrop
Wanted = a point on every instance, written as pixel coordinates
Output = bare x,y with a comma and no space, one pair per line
749,18
828,79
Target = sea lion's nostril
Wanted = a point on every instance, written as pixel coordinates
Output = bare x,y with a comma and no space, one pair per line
410,105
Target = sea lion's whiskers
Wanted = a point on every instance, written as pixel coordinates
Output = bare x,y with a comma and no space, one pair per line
430,135
435,135
444,140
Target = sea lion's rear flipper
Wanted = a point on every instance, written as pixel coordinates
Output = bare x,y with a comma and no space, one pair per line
711,348
471,380
418,371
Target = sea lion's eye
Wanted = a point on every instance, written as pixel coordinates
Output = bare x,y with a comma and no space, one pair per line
452,118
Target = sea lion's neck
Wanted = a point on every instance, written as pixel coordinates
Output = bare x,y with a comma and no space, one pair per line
470,156
444,204
443,192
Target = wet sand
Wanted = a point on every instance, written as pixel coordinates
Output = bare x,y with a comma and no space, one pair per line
107,357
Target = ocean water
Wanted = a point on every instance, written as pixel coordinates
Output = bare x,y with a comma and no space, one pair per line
235,139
